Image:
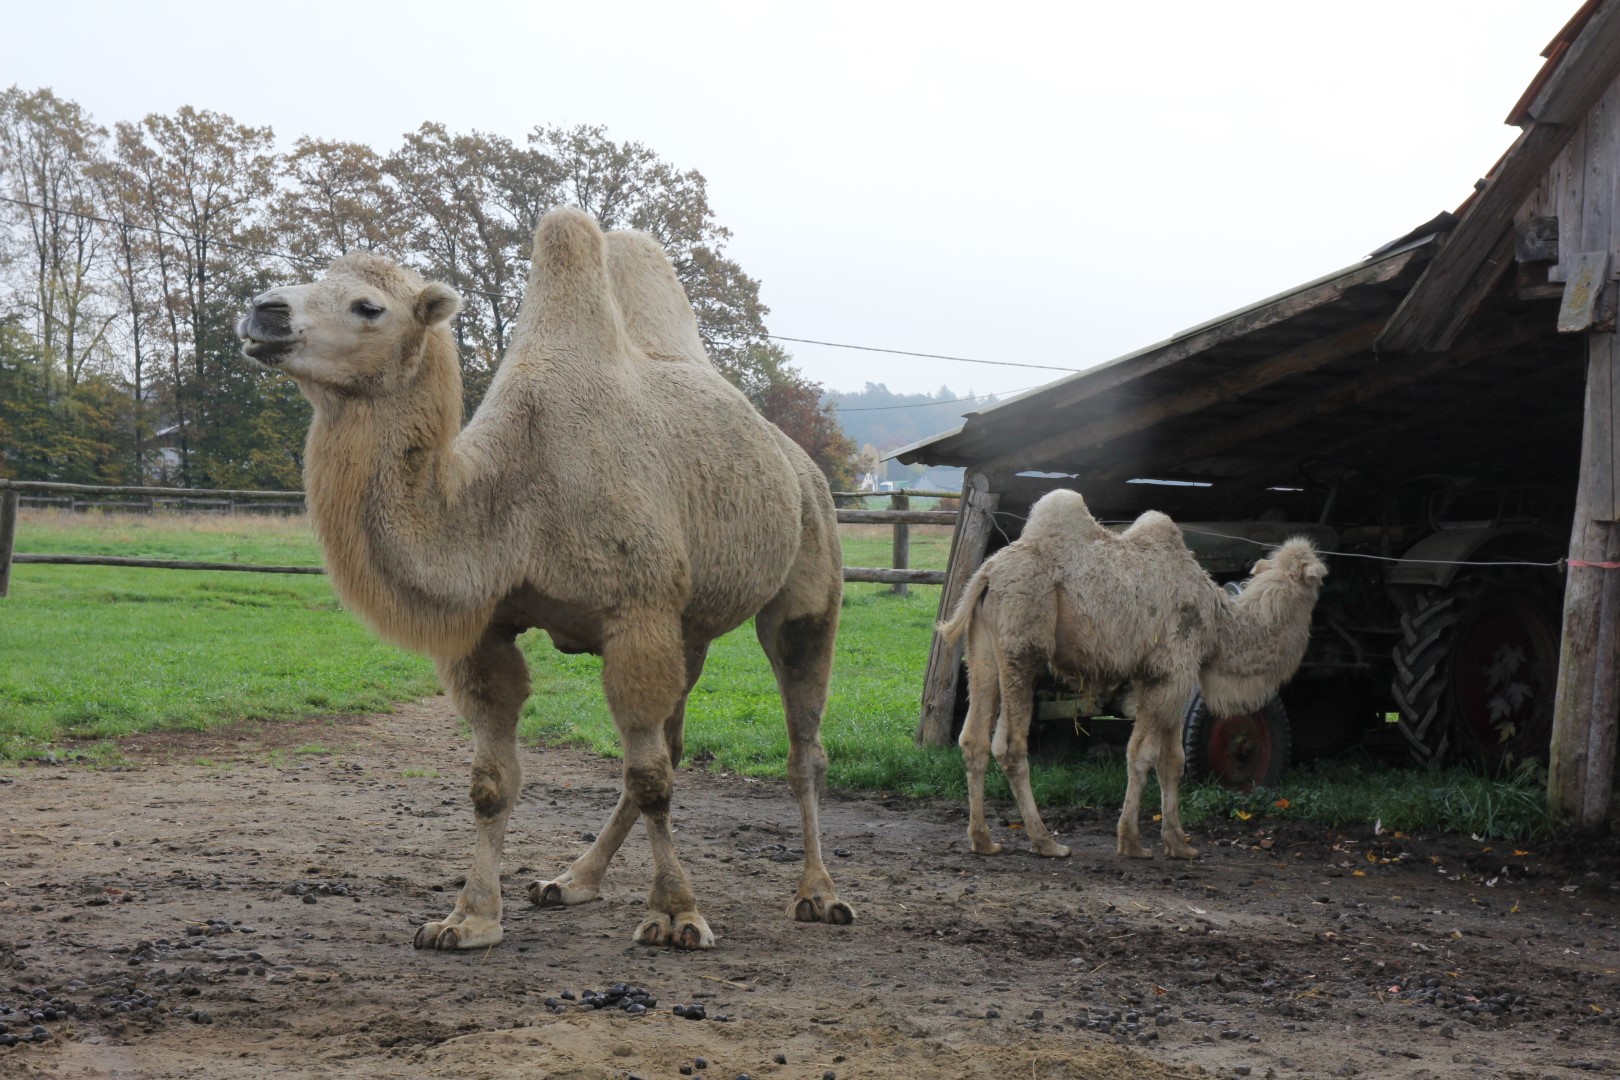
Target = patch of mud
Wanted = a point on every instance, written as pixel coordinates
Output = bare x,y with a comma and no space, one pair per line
234,903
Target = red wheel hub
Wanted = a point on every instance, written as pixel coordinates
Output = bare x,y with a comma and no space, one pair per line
1240,749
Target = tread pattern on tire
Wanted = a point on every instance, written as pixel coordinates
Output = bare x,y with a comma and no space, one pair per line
1419,683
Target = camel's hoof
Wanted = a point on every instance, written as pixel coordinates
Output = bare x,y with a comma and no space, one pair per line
1134,851
984,847
815,909
654,931
470,933
1052,851
685,931
558,894
1183,852
691,931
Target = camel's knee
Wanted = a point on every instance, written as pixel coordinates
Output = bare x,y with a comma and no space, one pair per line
649,785
493,790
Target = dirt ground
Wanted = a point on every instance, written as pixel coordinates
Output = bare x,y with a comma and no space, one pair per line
234,904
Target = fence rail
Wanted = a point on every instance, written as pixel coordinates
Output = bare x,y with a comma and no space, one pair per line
900,575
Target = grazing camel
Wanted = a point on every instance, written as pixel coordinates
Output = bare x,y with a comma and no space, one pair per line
612,490
1102,608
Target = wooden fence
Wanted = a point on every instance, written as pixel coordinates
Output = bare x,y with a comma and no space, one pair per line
150,499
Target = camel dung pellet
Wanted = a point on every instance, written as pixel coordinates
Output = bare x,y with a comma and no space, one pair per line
780,1059
700,1063
829,1075
686,1070
622,1050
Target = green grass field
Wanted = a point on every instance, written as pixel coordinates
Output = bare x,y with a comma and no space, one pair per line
93,652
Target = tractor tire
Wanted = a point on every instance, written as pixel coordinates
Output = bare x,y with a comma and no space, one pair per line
1242,750
1476,670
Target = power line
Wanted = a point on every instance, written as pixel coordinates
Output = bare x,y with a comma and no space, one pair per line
508,296
901,352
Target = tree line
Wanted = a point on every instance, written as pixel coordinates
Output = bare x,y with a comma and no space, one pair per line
127,254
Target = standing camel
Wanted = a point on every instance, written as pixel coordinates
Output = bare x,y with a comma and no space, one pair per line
1102,608
612,490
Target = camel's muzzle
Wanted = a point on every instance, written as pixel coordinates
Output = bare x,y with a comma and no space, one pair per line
266,332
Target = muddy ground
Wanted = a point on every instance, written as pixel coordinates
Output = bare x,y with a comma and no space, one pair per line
235,904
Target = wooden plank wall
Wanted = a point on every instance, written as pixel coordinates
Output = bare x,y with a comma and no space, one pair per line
1580,190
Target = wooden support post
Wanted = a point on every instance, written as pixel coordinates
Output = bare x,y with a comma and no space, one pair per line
8,535
902,539
1581,767
973,527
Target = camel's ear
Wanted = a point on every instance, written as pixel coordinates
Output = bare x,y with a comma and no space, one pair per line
436,303
1313,572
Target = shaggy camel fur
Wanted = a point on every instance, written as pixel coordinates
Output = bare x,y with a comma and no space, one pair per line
1102,608
612,490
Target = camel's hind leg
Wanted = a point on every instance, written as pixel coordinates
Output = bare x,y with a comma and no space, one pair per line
1011,747
582,881
799,644
984,700
488,686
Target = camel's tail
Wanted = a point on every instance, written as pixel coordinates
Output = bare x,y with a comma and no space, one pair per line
961,619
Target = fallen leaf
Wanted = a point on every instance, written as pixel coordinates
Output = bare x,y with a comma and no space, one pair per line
1242,815
1358,873
1282,804
1516,851
1158,817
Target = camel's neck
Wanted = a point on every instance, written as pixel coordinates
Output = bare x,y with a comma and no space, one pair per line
388,493
1262,639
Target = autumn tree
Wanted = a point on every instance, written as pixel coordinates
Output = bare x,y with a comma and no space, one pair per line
336,197
48,149
201,179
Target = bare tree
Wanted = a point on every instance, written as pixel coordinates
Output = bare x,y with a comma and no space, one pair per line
48,147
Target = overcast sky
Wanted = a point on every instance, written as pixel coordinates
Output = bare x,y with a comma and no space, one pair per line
1041,183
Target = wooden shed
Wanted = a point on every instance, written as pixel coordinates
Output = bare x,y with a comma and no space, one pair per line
1441,411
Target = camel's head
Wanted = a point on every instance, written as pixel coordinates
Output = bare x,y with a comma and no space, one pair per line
1296,562
356,331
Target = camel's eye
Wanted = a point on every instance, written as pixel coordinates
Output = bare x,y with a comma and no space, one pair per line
366,309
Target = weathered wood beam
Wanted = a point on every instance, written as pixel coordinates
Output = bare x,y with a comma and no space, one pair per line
968,549
900,555
1347,392
1587,69
897,517
1221,387
883,575
160,492
163,564
8,536
1580,775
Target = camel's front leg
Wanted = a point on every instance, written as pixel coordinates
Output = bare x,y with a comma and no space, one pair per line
642,675
488,687
1172,764
1138,759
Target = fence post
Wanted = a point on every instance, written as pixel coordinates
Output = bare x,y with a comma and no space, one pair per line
902,539
8,534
